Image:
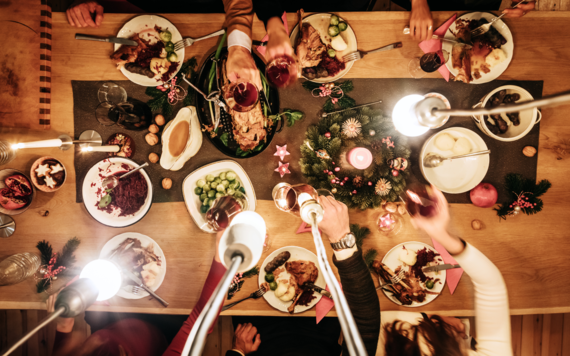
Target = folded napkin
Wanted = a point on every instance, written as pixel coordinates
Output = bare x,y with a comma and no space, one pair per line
324,306
262,49
432,45
453,275
305,228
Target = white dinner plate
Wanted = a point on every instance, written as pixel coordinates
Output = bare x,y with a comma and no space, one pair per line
126,289
192,200
297,253
508,47
391,260
92,183
321,22
138,24
458,175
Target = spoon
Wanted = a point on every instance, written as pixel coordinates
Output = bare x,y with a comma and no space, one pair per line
432,160
112,181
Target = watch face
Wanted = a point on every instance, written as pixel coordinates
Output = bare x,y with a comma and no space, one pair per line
350,240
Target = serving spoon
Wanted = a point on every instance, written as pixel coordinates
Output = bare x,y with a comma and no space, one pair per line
112,181
432,160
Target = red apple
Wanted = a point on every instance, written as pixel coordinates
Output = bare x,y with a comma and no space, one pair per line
483,195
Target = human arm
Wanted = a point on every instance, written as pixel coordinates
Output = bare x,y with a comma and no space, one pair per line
80,14
217,271
357,284
66,341
491,300
421,22
521,10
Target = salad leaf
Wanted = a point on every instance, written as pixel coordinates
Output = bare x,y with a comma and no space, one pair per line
224,138
105,201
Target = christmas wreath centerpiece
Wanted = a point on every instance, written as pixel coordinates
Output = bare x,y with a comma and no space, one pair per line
325,165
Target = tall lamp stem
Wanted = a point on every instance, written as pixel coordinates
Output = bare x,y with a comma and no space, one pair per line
352,337
46,321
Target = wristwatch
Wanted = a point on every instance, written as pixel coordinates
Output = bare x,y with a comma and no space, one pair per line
348,241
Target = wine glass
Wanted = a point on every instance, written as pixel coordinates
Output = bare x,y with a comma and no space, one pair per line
130,115
242,96
428,63
224,209
110,93
282,71
289,198
420,200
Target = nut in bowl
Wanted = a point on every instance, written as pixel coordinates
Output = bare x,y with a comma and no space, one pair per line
48,174
16,192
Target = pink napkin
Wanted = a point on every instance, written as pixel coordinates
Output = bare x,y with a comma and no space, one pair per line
305,228
432,45
324,306
262,49
453,275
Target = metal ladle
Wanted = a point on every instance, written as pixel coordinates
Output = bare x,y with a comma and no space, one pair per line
214,97
432,160
112,181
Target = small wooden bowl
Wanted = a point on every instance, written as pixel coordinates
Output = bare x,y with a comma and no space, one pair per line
45,188
5,173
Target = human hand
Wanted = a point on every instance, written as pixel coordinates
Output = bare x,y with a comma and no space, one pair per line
456,324
335,222
244,339
520,11
421,22
278,43
240,65
80,14
63,325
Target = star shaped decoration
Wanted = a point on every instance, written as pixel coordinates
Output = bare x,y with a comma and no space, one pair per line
386,221
43,170
283,169
281,152
56,168
50,182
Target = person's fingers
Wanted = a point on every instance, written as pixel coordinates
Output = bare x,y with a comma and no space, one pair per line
99,16
251,334
69,19
74,17
423,31
514,13
413,31
79,16
87,16
256,343
441,201
527,7
429,30
232,77
238,331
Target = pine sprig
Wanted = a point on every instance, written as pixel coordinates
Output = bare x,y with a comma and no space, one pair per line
369,257
516,184
252,272
46,251
65,258
344,101
360,233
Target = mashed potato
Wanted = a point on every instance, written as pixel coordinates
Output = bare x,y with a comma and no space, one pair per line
408,257
495,57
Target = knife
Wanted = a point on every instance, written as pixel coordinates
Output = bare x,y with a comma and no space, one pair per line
320,290
440,268
125,41
139,283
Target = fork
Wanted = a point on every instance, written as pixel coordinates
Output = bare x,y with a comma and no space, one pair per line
354,56
395,279
136,290
189,41
258,293
481,30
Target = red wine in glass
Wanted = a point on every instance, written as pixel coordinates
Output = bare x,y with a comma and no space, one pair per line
242,96
430,62
282,71
420,200
222,211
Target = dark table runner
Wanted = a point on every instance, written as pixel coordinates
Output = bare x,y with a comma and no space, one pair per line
506,157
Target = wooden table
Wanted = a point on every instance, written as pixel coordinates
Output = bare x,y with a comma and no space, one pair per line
530,251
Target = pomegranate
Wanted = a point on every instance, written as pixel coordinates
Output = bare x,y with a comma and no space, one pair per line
19,185
484,195
11,202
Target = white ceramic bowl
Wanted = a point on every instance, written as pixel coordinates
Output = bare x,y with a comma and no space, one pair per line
458,175
528,118
192,200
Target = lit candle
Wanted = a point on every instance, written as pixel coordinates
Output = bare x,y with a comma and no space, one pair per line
359,158
110,148
56,142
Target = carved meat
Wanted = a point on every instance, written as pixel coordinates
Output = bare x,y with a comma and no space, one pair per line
309,47
128,54
302,272
479,53
461,60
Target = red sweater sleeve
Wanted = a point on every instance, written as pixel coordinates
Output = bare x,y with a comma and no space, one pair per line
217,271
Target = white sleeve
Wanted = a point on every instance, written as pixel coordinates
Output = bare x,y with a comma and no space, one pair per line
239,38
492,318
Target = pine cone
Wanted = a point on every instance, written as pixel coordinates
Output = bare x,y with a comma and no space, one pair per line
358,181
376,145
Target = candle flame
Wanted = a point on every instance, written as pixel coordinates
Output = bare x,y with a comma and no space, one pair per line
360,158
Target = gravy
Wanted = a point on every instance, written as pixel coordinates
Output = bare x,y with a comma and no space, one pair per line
179,138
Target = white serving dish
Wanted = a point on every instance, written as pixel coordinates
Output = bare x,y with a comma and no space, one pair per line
138,24
458,175
508,47
392,261
320,22
126,289
192,200
90,197
528,118
297,253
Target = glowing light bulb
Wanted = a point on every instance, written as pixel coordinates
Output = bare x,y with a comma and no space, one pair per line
105,275
404,117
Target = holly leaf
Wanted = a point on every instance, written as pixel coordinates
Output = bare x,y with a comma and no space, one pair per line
310,86
224,138
347,86
329,106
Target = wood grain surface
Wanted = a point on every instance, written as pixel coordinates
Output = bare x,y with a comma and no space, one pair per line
530,251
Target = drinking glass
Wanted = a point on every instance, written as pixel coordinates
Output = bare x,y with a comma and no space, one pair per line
389,223
224,209
242,96
289,198
129,115
111,93
7,154
420,200
282,71
428,63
